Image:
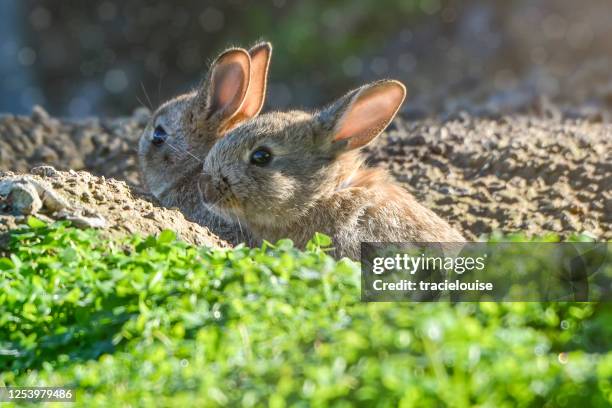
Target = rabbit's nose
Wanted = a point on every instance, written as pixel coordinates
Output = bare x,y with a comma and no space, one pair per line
205,178
207,188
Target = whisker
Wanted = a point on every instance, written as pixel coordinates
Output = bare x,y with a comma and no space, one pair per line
141,103
174,148
242,237
159,85
146,95
194,156
218,222
215,203
179,150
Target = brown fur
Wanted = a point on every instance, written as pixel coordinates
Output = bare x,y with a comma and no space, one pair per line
317,182
194,122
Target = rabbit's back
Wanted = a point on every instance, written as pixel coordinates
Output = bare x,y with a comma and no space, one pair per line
375,209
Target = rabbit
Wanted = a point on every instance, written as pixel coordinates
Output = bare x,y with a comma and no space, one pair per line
180,132
291,174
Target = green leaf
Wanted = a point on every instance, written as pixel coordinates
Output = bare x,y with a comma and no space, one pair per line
36,223
319,241
73,296
29,311
17,263
166,237
6,264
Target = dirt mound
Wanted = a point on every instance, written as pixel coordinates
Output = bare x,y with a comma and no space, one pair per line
102,147
533,174
90,201
514,174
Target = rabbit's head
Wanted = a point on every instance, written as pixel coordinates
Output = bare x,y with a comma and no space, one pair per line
180,132
270,170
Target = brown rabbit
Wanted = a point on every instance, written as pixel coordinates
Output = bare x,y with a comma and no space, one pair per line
182,131
289,175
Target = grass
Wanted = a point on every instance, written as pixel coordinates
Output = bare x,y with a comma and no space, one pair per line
157,322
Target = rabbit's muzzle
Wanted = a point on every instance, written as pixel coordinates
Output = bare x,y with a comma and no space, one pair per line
214,192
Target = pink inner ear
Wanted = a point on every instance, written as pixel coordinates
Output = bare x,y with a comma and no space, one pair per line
370,113
230,86
231,81
256,94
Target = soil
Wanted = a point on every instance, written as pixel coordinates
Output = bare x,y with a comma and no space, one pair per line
515,173
91,201
104,147
518,173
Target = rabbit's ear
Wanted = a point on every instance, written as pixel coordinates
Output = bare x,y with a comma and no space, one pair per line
224,93
256,95
361,115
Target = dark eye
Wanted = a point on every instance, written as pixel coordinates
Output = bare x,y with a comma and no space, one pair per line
159,136
261,157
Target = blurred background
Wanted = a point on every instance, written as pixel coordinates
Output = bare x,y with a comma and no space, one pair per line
106,58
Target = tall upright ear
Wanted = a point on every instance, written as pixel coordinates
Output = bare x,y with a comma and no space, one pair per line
225,90
362,114
256,95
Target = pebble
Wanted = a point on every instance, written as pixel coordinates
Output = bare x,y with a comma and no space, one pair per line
39,114
21,197
418,140
44,171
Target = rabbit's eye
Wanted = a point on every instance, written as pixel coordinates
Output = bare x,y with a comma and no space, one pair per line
261,157
159,136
